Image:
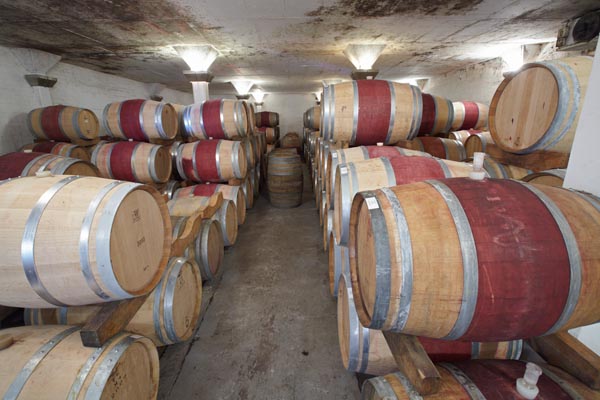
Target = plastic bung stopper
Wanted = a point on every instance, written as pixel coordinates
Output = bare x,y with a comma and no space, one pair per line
527,385
379,144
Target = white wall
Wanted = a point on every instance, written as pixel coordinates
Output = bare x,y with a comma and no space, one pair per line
76,86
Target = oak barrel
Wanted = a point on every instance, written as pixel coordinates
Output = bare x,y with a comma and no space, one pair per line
49,362
133,161
496,169
478,143
58,148
463,135
312,118
215,119
170,188
13,165
140,120
112,242
371,111
381,172
169,315
285,179
266,119
469,115
63,123
481,379
291,140
447,149
208,249
552,177
230,192
271,134
538,107
437,116
338,263
211,161
497,259
366,351
227,217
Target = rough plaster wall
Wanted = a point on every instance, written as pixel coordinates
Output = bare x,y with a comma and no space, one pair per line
477,82
76,86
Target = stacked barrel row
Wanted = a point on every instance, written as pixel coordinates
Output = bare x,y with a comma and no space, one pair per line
72,243
406,232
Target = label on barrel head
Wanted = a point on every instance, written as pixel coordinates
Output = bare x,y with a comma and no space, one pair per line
343,170
333,155
371,203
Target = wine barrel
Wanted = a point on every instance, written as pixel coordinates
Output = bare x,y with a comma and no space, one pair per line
114,240
255,177
59,149
538,107
133,161
173,152
551,177
49,362
503,171
366,351
463,135
248,190
63,123
338,262
371,111
437,116
438,147
481,379
271,134
469,115
505,251
383,172
170,188
251,122
208,249
140,120
13,165
169,315
230,192
292,141
285,179
312,118
248,146
227,217
266,119
179,108
211,161
478,143
215,119
327,227
343,156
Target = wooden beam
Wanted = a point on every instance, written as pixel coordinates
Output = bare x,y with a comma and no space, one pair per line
414,363
537,161
111,319
568,353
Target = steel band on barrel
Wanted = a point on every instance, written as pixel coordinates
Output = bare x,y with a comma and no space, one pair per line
466,382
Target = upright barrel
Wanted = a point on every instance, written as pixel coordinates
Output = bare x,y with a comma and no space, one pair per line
114,238
266,119
49,362
538,107
58,148
469,115
292,140
211,161
383,172
63,123
133,161
507,259
169,315
366,351
312,118
13,165
371,111
140,120
438,114
481,379
215,119
230,192
285,179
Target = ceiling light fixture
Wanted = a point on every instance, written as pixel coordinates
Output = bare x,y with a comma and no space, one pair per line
259,96
318,95
363,57
242,87
199,58
513,59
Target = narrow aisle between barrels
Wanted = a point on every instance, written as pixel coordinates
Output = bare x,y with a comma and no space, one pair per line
271,329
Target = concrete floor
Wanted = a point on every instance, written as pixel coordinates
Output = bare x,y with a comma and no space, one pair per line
270,331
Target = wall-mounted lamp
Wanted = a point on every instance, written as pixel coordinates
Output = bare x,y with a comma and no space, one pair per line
363,56
318,96
513,59
242,87
199,58
258,95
